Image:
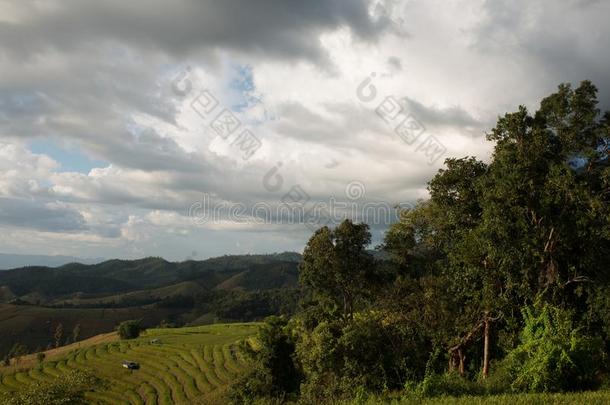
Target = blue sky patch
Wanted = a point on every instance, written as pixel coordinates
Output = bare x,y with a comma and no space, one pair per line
71,158
243,87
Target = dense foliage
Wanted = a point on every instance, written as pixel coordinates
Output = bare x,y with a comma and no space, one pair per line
68,390
274,373
554,354
130,329
497,283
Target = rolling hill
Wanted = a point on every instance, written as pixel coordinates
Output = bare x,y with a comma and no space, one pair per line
35,300
48,285
184,288
177,366
35,326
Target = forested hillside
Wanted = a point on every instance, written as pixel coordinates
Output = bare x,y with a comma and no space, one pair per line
116,276
36,302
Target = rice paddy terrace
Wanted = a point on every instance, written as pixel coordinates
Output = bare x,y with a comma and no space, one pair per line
177,366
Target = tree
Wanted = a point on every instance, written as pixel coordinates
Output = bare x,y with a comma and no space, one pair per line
130,329
439,238
546,204
59,332
534,221
336,268
545,200
274,372
76,332
411,241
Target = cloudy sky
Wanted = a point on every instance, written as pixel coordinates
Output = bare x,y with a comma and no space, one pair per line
124,125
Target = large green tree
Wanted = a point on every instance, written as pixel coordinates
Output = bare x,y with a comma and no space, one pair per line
337,271
533,222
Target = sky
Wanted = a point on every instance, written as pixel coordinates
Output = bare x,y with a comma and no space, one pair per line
132,129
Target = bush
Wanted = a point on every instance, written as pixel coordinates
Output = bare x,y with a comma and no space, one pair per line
451,384
130,329
554,355
370,352
328,388
69,389
274,374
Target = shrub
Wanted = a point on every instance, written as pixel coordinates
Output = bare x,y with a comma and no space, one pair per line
274,374
554,355
328,388
130,329
369,351
69,389
451,384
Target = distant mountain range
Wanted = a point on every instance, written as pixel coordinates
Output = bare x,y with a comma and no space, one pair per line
34,300
11,261
50,285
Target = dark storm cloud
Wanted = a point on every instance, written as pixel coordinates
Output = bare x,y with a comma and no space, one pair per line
277,28
453,117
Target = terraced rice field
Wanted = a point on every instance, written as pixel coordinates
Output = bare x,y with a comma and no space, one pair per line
177,366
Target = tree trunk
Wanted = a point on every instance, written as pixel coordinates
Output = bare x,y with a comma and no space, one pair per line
457,359
462,368
486,346
451,364
348,306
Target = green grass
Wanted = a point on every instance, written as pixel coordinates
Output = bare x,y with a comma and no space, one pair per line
588,398
187,365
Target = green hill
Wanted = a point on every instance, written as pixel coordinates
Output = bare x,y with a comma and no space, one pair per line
35,300
185,288
177,366
45,285
35,326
